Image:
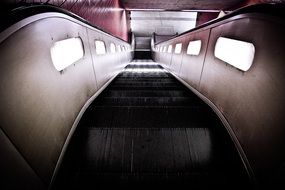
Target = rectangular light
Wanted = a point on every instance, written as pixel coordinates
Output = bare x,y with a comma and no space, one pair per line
100,47
194,47
144,70
178,48
237,53
112,48
66,52
119,48
169,49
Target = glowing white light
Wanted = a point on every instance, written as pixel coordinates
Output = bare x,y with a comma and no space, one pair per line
112,48
100,47
144,70
66,52
164,49
178,48
237,53
169,49
119,48
194,47
143,63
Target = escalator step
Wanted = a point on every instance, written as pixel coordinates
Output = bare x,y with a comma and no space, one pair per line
148,117
146,130
145,93
147,101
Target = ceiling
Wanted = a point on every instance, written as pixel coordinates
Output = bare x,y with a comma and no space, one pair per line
182,4
162,23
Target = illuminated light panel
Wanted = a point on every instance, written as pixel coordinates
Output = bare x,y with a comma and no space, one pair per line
164,49
194,47
112,48
100,47
143,63
137,62
169,49
178,48
237,53
66,52
144,70
119,48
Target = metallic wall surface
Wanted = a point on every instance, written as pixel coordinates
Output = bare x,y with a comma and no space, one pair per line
109,15
251,102
48,103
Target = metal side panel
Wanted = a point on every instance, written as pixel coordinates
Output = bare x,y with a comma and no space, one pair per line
38,103
192,65
14,168
252,101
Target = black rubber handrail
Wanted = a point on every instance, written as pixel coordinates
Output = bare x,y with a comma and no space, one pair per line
26,10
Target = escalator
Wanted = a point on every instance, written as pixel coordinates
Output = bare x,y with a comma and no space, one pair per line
148,130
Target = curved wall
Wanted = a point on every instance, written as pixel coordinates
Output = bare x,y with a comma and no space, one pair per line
252,103
108,15
41,106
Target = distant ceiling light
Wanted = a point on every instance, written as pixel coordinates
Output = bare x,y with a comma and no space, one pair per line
144,70
237,53
194,47
116,9
221,14
178,48
66,52
144,63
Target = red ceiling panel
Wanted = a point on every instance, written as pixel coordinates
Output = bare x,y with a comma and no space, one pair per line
108,15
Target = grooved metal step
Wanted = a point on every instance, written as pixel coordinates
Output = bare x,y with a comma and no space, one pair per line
146,130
